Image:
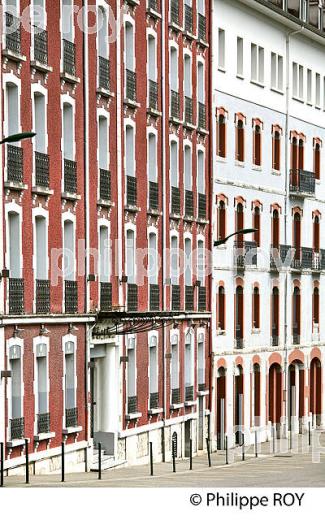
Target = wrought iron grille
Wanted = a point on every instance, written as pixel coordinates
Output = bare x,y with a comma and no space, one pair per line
202,210
250,253
132,297
43,423
279,256
71,297
131,191
103,73
13,33
174,12
153,94
176,297
69,58
41,46
154,297
42,296
153,195
133,404
153,4
297,258
202,116
189,203
17,428
189,393
154,401
176,201
70,176
104,184
175,104
322,259
201,27
176,395
316,261
131,85
302,182
245,253
306,257
188,110
189,298
15,161
188,25
71,417
16,296
202,304
106,296
42,170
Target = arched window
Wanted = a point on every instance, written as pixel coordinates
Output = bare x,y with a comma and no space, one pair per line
316,306
317,160
239,316
221,308
275,229
240,141
221,220
296,316
240,222
257,225
294,153
256,308
276,151
221,136
257,145
297,238
316,233
275,310
301,154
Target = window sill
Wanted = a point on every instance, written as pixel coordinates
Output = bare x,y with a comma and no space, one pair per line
155,411
221,159
221,332
275,172
203,43
69,78
296,98
222,69
176,406
71,430
240,164
202,130
175,26
15,443
257,83
188,404
104,92
318,107
70,196
14,56
175,120
42,67
189,35
105,203
153,13
154,212
188,125
15,186
175,216
277,91
131,103
154,112
41,190
257,168
133,416
256,331
203,393
240,76
44,436
131,209
202,221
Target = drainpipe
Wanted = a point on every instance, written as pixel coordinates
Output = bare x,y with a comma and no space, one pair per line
211,202
286,207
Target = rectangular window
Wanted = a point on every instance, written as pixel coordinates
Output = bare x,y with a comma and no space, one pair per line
221,49
240,56
317,90
153,374
132,405
70,385
174,163
257,64
129,151
301,82
201,364
276,71
42,387
189,372
16,384
297,81
175,365
309,87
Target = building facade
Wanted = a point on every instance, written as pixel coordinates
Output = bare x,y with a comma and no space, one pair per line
268,288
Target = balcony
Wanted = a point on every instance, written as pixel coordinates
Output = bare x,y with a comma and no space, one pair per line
174,12
69,58
131,85
71,297
176,298
17,428
189,393
42,170
188,18
202,122
132,405
189,298
176,396
188,116
176,201
154,297
202,299
43,296
15,160
201,29
153,95
105,185
245,254
104,73
153,196
296,335
131,191
175,105
132,297
70,176
280,255
316,260
71,417
43,423
189,204
40,46
202,206
302,183
154,401
13,34
105,297
16,296
275,336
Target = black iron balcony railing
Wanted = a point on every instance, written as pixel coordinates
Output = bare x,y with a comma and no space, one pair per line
154,401
131,85
131,191
189,393
69,58
104,73
105,296
189,203
175,104
176,201
42,170
71,417
176,297
17,428
43,423
153,94
201,30
154,297
188,116
202,209
275,336
15,161
43,296
153,4
105,184
13,33
296,335
316,260
132,297
296,262
41,46
176,395
201,380
202,299
245,254
133,404
280,255
239,340
306,258
189,298
16,296
202,120
302,182
153,195
70,176
174,11
71,297
188,18
322,259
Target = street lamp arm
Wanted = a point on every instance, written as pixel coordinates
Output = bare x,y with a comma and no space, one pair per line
14,138
240,232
